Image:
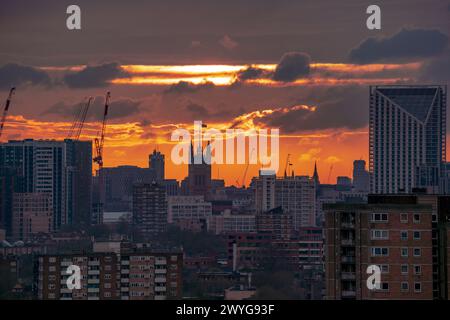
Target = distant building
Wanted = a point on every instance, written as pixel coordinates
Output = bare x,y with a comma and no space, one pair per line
361,177
276,222
156,162
149,209
10,182
188,210
118,185
231,223
62,169
172,187
344,181
404,235
296,195
32,214
407,137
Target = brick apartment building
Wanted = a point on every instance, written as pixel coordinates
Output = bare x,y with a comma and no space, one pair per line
405,235
134,274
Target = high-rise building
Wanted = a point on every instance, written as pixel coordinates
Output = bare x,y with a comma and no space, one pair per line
156,162
32,215
296,195
10,182
62,169
407,131
149,209
406,236
361,177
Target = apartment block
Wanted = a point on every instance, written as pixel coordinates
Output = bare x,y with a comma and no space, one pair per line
403,235
133,274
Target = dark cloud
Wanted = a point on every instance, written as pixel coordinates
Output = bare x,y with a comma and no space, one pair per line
292,66
197,111
405,44
95,76
118,109
338,107
13,74
250,73
188,87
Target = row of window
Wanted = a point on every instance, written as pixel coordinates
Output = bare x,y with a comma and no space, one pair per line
383,217
380,234
384,252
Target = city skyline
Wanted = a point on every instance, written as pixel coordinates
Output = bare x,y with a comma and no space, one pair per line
164,73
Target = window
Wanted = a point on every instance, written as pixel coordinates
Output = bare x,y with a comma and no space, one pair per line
379,217
417,269
417,287
416,235
404,235
404,218
384,268
404,286
416,218
385,286
380,234
417,252
404,252
377,251
404,268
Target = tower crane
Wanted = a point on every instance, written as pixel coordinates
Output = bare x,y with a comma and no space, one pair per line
77,125
5,111
99,141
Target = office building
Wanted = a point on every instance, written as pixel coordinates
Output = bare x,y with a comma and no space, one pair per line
407,137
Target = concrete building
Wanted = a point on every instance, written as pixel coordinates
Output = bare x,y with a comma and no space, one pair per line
407,137
32,214
277,223
198,181
296,195
404,235
149,209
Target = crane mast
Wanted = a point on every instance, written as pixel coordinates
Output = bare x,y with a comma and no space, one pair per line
5,110
99,142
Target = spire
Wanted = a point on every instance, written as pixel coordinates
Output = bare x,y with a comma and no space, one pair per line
316,174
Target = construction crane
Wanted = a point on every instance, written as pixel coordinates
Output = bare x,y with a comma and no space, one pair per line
5,111
99,141
329,174
77,125
246,169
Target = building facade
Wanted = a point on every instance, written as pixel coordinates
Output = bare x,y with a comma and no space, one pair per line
407,137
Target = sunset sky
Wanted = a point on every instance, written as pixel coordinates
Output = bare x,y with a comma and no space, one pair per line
304,67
